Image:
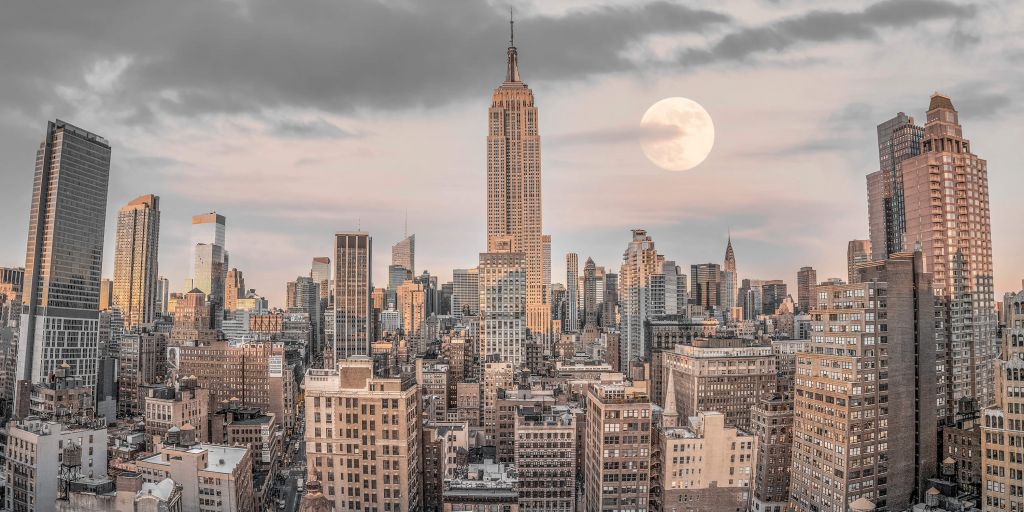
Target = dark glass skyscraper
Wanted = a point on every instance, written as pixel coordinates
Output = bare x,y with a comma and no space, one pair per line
60,317
898,139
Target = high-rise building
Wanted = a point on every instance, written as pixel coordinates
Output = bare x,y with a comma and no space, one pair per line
106,294
514,186
60,319
142,361
610,304
163,292
590,303
135,260
320,271
617,455
353,286
899,139
640,261
465,293
772,424
502,283
705,284
857,252
572,290
363,436
806,279
730,279
546,262
1003,425
865,405
751,298
958,250
403,254
209,259
411,304
773,294
234,289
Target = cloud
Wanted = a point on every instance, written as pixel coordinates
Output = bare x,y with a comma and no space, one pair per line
825,26
313,129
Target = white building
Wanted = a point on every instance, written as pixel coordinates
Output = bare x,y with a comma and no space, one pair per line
35,451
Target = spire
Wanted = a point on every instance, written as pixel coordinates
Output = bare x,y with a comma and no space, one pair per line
512,67
730,256
669,416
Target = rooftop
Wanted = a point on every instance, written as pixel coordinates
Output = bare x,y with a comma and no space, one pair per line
220,458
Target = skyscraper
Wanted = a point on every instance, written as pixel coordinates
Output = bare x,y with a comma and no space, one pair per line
60,316
857,252
135,260
163,292
590,293
353,312
898,139
502,285
806,279
572,290
640,261
465,293
940,201
730,279
514,185
403,254
865,412
209,260
320,271
234,289
773,294
704,284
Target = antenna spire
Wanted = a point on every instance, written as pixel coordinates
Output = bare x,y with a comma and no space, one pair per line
405,231
511,28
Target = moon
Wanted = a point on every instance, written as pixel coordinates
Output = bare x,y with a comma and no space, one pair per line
677,134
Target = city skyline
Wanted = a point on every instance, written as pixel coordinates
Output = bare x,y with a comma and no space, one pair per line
821,137
664,374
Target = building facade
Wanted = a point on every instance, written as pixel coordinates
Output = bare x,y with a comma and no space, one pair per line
60,319
135,260
363,436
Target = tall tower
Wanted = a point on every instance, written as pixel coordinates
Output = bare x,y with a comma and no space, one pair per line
727,297
640,261
353,286
943,206
590,292
403,254
806,280
514,185
209,259
898,139
572,291
135,260
64,255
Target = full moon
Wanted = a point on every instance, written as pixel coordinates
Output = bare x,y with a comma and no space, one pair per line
677,134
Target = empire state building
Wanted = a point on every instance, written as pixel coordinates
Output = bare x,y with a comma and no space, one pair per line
514,187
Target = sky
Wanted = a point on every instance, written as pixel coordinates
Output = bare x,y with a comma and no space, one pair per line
302,118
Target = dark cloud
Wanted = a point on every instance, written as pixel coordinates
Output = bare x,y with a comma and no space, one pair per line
825,26
980,100
197,57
